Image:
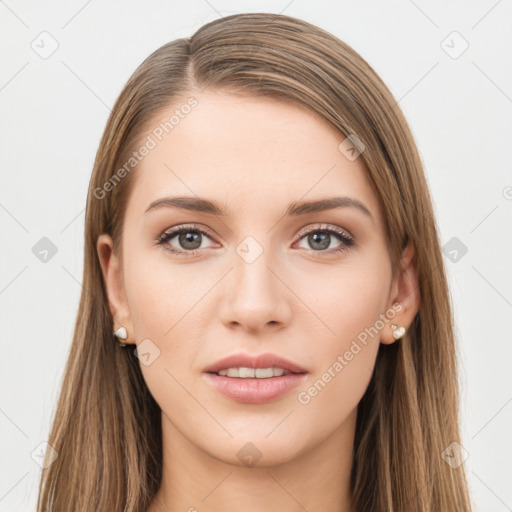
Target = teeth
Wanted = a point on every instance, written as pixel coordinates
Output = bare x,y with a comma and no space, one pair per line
247,373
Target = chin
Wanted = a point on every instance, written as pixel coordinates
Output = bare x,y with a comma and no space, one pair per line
256,450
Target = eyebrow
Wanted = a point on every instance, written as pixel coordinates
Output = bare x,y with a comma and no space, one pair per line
296,208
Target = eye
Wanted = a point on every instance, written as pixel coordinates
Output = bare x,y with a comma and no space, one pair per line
320,238
189,239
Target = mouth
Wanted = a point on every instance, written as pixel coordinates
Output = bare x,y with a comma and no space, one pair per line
253,373
254,380
242,366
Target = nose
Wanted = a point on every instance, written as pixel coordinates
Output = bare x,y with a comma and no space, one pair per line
255,296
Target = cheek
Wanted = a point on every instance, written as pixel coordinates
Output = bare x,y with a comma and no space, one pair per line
347,301
347,344
333,394
164,303
161,300
158,293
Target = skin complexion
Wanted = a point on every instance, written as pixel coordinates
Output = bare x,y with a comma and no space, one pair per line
262,274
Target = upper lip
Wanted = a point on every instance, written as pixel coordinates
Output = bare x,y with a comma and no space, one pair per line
259,361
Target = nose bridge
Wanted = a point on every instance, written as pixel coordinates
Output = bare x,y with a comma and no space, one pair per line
251,272
254,295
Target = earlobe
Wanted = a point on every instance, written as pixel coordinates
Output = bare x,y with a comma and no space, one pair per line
406,292
113,279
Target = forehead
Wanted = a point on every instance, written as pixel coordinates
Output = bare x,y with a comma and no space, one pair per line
243,151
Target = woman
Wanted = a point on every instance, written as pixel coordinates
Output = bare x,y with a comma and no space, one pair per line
260,239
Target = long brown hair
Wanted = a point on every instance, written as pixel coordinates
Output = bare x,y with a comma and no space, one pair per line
106,429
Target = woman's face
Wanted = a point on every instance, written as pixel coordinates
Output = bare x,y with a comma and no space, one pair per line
253,272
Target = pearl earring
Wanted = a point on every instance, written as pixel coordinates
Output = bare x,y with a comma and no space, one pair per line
398,332
121,334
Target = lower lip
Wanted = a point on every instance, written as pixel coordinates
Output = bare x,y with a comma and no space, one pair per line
254,391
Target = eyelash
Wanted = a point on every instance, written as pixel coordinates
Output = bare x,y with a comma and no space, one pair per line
341,235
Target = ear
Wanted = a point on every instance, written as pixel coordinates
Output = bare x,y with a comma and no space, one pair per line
113,278
405,292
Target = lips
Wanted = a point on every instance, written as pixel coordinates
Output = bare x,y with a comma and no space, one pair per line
254,391
259,361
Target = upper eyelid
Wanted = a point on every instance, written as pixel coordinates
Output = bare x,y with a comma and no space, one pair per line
323,227
186,227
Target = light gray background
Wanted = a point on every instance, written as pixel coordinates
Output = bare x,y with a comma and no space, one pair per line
53,112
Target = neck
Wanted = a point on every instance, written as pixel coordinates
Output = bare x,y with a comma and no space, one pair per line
318,479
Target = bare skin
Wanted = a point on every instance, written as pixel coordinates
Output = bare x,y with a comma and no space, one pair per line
299,299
